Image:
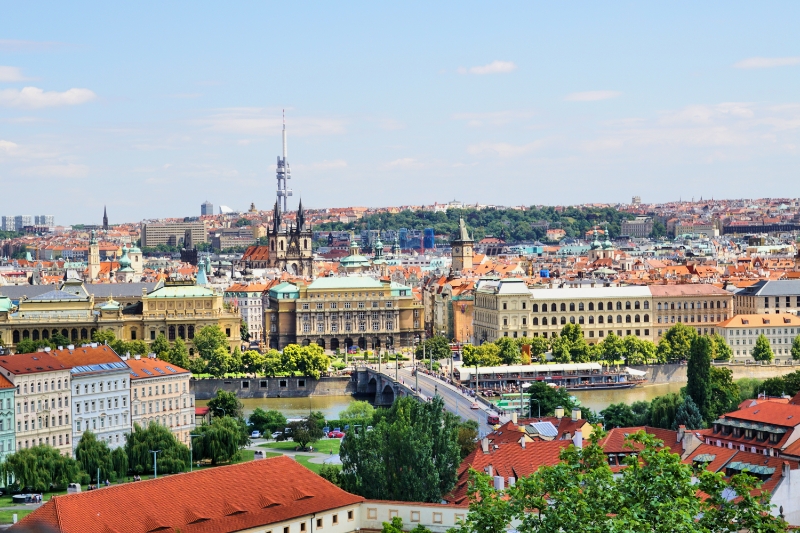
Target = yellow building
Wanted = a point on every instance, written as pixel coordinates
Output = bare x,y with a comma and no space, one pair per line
701,306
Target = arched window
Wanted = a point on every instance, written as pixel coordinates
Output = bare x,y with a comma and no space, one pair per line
627,306
611,306
572,320
182,331
535,321
281,246
305,244
191,331
171,333
26,334
35,335
15,337
599,306
535,308
672,305
659,305
636,304
591,306
544,320
591,319
580,320
600,319
563,320
553,308
627,318
45,334
647,318
564,307
84,333
74,334
572,306
272,245
619,319
646,304
636,318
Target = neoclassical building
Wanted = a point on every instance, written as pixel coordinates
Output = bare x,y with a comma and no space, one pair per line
176,309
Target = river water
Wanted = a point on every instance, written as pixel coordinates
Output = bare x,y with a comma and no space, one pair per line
331,406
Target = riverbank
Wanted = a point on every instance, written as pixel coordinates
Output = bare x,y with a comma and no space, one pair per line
280,387
676,373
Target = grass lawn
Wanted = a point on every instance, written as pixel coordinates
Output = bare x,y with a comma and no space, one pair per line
7,517
314,467
321,446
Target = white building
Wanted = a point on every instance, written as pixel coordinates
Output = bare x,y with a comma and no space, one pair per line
251,300
741,332
100,382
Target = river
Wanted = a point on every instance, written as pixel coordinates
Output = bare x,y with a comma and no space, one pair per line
330,406
597,400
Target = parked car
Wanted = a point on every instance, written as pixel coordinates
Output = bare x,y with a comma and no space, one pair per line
474,405
277,434
255,435
335,435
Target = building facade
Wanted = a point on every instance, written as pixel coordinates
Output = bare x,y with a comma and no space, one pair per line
341,312
779,296
160,394
100,384
640,227
290,244
7,425
42,400
741,331
701,306
173,233
250,300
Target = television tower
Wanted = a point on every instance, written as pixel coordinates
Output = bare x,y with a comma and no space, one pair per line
283,172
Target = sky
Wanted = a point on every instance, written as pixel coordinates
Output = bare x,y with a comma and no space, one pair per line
151,108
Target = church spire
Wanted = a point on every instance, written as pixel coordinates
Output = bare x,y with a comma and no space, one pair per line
105,219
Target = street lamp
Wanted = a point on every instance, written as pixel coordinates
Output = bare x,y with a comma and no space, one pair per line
155,462
191,450
538,403
416,367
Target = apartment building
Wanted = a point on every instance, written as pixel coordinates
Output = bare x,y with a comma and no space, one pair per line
251,300
160,394
741,332
640,227
340,312
7,439
173,233
42,399
701,306
100,393
765,296
502,309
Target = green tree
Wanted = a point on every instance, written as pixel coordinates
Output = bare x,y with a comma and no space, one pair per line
235,364
724,392
618,415
487,354
173,457
179,354
508,351
305,432
698,372
612,348
676,343
225,403
688,415
330,473
209,339
411,455
659,230
638,351
538,347
467,437
720,349
267,422
796,348
219,441
436,347
549,398
101,336
41,468
641,413
119,462
244,332
219,363
26,346
762,350
160,347
93,454
273,363
663,410
358,410
312,361
252,362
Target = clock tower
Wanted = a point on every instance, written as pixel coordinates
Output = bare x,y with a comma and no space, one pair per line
462,249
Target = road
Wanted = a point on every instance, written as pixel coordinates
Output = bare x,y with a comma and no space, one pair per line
454,401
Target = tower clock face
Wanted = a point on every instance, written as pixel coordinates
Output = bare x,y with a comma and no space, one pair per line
457,250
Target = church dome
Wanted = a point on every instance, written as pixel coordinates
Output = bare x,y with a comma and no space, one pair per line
124,261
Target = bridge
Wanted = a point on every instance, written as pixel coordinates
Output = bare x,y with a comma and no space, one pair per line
384,386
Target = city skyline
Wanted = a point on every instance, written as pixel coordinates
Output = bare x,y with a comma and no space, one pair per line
152,110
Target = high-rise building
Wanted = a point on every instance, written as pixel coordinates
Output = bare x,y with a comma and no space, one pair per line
206,208
20,221
173,234
8,224
428,241
44,220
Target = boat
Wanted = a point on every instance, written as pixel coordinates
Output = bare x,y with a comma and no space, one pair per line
571,376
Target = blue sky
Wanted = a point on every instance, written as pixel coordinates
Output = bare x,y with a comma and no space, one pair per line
152,109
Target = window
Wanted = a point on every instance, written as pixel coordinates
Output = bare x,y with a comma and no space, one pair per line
335,519
319,523
302,526
370,512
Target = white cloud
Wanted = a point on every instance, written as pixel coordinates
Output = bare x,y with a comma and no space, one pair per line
504,149
7,146
11,74
767,62
33,97
591,96
258,121
495,67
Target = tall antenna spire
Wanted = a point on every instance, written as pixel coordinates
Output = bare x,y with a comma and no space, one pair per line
283,172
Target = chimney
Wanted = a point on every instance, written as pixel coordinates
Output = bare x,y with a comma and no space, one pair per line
137,356
576,414
70,347
511,481
681,432
499,483
60,347
785,469
514,418
690,442
559,412
490,471
522,442
577,440
485,445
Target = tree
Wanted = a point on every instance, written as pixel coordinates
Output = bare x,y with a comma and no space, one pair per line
358,410
179,354
235,363
41,468
101,337
26,346
720,349
641,413
663,410
252,362
225,403
467,437
762,350
638,351
549,398
209,339
436,347
219,363
173,457
509,351
659,230
724,392
330,473
796,348
244,332
312,361
267,421
688,415
219,441
58,339
119,462
655,492
538,347
160,347
305,432
412,454
486,354
93,454
676,342
698,372
612,348
618,415
273,363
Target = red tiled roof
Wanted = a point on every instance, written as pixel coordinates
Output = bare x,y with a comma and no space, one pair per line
30,363
86,355
231,498
145,363
256,253
777,414
614,441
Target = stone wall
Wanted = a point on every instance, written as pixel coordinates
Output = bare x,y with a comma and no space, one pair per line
675,373
290,387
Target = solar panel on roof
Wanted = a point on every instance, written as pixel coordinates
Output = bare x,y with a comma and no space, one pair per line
546,429
171,369
134,374
147,372
159,370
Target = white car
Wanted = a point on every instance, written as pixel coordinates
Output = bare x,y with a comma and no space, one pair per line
277,434
255,435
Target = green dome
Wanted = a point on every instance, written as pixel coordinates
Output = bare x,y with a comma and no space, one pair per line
124,261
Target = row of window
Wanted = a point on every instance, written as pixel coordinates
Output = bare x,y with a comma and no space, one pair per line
48,403
765,331
73,334
165,389
79,426
589,334
160,406
346,305
690,318
48,386
320,522
103,405
693,305
554,321
45,422
62,440
362,315
572,306
334,328
100,386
